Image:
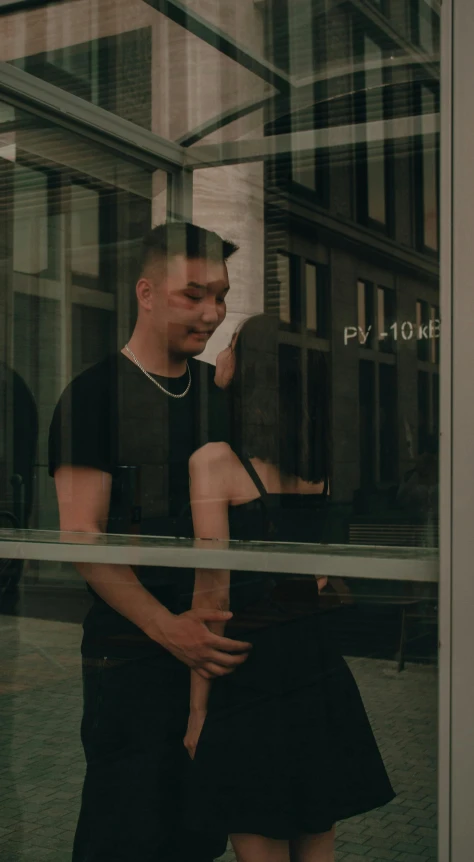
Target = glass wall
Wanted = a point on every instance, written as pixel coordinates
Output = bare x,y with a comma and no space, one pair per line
307,134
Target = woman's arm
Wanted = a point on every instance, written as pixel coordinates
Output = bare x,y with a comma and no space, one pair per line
210,474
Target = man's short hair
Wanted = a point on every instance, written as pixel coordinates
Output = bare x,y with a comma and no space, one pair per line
166,241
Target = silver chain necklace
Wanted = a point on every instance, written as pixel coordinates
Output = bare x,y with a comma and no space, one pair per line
150,377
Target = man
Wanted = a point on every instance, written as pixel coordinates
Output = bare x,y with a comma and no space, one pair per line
120,442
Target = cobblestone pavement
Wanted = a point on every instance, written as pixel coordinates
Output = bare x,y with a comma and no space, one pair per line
41,762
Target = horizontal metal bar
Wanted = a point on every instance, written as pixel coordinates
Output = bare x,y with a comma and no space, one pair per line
225,119
91,298
313,140
27,92
347,561
223,42
339,78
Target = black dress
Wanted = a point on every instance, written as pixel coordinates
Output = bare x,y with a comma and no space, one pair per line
286,748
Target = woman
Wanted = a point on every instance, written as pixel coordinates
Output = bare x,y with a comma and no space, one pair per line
282,747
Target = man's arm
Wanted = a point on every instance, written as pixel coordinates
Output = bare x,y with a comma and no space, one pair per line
84,498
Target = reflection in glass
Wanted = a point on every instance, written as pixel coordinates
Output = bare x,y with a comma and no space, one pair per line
311,296
30,229
367,420
93,336
300,40
284,287
429,172
374,110
85,238
387,422
314,129
365,313
69,255
387,319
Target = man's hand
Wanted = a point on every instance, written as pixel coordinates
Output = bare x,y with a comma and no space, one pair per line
188,638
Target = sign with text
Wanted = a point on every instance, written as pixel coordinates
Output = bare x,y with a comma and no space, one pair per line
406,331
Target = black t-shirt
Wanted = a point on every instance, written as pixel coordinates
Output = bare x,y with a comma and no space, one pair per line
112,418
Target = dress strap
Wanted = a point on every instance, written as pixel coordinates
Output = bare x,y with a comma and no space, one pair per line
255,477
268,527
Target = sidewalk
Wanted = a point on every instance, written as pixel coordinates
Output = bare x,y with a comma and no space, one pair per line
41,762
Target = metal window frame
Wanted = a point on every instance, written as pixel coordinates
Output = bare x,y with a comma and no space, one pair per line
448,844
27,92
457,413
347,561
222,41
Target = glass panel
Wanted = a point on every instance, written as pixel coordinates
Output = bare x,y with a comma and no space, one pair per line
311,130
42,695
357,399
73,215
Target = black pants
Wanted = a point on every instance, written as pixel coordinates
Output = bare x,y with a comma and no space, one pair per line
135,716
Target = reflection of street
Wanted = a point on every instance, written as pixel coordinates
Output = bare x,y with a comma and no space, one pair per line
40,693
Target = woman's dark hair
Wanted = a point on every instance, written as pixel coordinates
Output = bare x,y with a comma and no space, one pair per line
270,418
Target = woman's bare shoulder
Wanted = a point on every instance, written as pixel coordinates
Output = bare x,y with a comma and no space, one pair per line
212,455
222,471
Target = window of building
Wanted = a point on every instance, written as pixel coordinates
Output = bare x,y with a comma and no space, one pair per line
75,213
425,25
387,423
428,335
378,422
317,299
427,170
372,155
113,72
85,232
365,313
428,331
306,441
297,37
377,318
300,292
300,295
286,289
377,335
31,195
367,414
386,319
